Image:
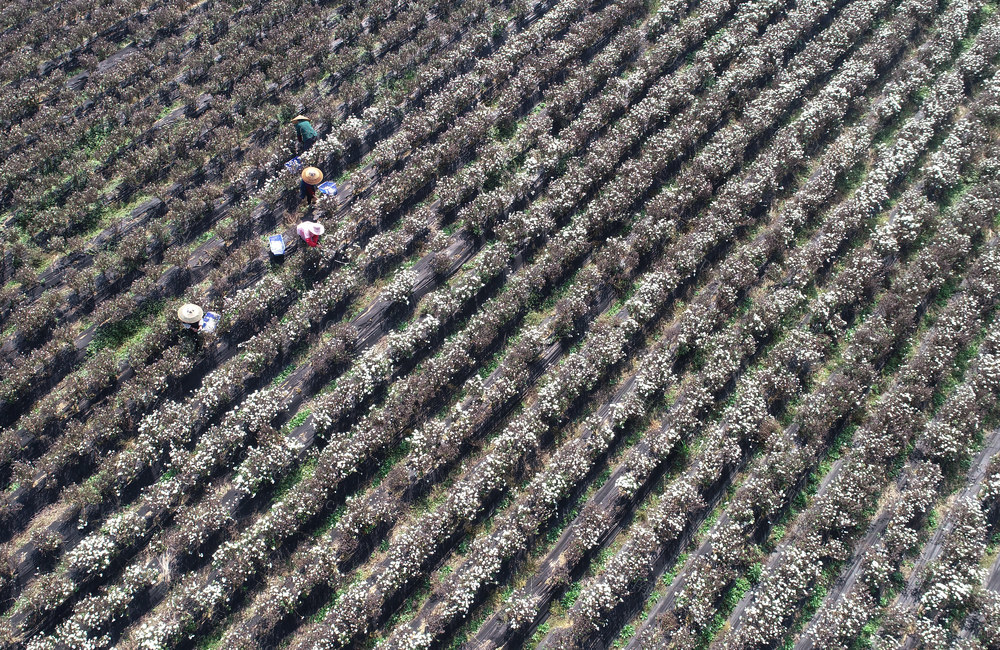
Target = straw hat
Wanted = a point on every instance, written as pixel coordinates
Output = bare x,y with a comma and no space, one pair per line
190,313
312,175
314,228
299,118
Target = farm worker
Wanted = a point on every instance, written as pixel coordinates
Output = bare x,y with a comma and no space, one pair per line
190,316
310,232
311,177
304,131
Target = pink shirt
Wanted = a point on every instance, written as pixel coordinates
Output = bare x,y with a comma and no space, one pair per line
308,237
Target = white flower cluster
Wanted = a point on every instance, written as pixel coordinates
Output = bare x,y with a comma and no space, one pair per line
961,412
189,457
957,573
519,611
784,586
839,508
96,612
488,264
173,424
400,288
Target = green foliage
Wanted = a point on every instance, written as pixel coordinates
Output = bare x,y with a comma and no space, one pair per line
283,375
116,335
299,418
539,634
387,464
628,631
754,572
212,642
303,471
331,521
571,595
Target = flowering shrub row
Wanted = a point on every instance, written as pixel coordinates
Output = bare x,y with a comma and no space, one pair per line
838,511
407,557
59,458
540,502
165,431
970,65
30,40
53,313
134,76
952,582
765,492
144,236
432,449
249,319
559,223
196,534
376,367
832,296
586,530
837,622
259,356
35,81
429,161
152,378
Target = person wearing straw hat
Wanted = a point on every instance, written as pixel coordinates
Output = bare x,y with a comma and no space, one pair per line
304,131
190,316
311,177
310,232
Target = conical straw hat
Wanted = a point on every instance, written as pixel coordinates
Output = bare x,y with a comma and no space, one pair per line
298,118
312,175
315,228
190,313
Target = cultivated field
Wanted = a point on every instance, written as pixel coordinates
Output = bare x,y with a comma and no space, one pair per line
635,324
